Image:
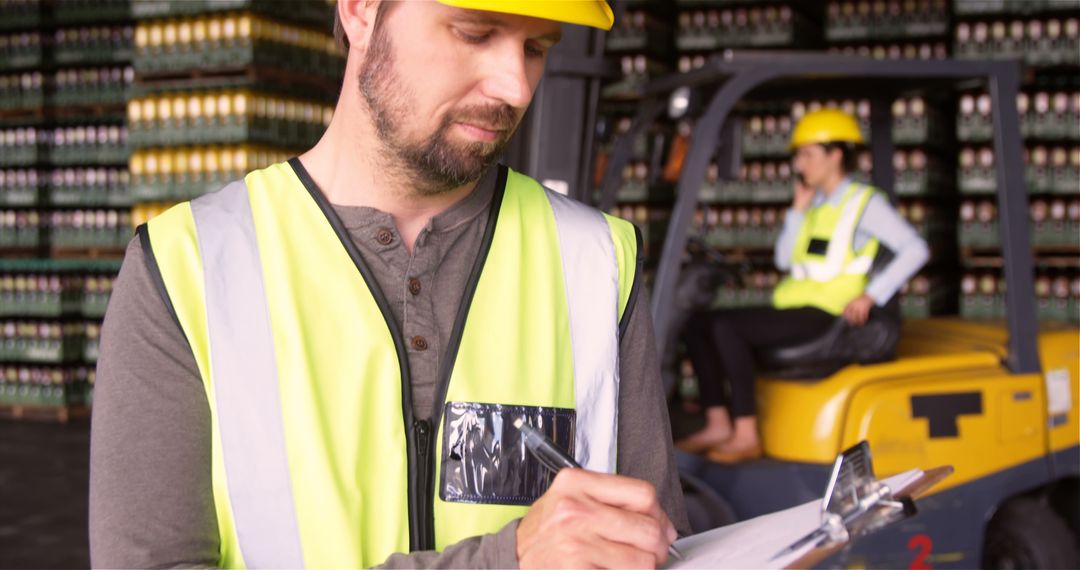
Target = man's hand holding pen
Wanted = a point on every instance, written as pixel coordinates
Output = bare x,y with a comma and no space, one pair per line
595,520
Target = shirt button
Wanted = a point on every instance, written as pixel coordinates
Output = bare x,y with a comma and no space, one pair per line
414,286
419,343
384,236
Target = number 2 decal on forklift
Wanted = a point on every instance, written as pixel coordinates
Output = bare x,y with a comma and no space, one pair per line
923,544
942,410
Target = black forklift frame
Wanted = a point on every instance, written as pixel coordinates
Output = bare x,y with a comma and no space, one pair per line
733,75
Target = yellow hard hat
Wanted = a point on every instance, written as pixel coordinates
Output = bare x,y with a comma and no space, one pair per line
826,126
594,13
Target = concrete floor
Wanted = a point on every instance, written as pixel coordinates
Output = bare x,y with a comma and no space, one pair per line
44,471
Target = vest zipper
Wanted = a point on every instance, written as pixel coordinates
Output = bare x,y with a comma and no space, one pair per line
425,503
421,466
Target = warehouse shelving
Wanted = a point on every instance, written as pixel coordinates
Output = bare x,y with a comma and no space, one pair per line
64,203
1046,37
223,88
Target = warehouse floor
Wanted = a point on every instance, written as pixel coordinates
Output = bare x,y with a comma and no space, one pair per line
44,470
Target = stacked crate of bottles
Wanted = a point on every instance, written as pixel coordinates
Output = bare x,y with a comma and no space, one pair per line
1045,36
893,29
222,88
642,41
65,69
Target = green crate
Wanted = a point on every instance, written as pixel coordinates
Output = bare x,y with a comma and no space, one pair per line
24,238
974,128
1037,179
75,197
726,297
255,130
259,53
77,155
913,183
628,42
72,12
43,352
711,193
102,55
1065,180
1049,233
21,196
22,59
94,305
915,306
977,181
917,130
735,191
974,7
847,32
697,41
314,13
1052,309
719,237
26,155
26,17
22,100
31,305
94,96
981,307
769,193
978,234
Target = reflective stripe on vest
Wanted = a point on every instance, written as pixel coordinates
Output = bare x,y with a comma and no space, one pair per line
223,274
591,273
247,398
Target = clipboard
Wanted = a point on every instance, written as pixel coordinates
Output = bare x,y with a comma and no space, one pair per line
862,504
855,504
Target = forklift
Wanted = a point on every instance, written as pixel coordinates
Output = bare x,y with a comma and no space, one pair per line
997,401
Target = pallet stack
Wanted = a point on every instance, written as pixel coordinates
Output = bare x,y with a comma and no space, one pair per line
110,112
1045,35
223,88
65,72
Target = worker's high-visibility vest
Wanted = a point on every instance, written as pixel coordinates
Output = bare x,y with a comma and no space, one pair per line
826,271
317,458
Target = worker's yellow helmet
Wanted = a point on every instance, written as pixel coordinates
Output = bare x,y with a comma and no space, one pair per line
594,13
826,126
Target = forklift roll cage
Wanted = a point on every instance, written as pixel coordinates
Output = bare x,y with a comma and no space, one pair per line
736,75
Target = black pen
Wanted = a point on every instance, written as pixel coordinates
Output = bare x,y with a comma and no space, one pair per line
555,459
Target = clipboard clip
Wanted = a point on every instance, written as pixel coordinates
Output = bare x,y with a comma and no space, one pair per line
855,503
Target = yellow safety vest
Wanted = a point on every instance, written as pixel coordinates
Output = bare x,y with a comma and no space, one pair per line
317,458
826,271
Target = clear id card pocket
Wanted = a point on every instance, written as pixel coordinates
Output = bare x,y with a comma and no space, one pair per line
484,459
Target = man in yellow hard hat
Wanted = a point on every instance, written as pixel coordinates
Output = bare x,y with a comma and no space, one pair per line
828,244
323,364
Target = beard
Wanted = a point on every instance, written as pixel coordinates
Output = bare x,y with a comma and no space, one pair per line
435,163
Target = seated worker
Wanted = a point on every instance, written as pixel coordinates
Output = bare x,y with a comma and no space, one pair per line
829,240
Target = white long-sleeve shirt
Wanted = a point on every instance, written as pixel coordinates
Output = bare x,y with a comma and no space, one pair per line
879,220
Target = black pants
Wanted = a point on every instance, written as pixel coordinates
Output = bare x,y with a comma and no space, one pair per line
721,346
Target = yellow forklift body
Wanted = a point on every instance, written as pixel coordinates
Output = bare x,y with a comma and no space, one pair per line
946,399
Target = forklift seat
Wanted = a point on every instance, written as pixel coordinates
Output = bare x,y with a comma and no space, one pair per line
841,345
